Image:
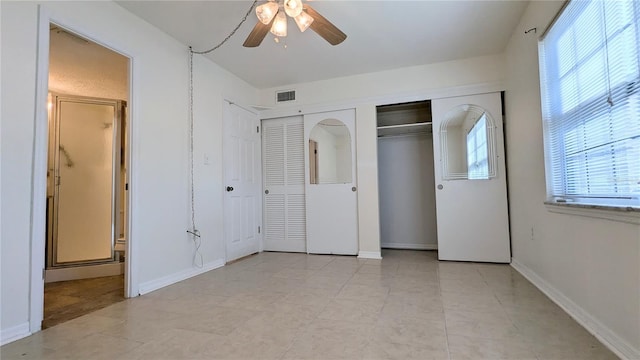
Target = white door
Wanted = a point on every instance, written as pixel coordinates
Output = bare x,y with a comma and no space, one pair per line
283,179
330,184
242,200
471,192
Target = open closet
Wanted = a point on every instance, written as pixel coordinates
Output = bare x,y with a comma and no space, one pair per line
442,177
406,182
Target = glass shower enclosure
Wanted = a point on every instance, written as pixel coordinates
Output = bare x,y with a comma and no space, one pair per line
84,180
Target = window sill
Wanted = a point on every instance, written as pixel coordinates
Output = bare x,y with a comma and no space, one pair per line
625,214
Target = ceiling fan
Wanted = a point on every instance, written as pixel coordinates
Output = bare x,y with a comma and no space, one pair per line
272,16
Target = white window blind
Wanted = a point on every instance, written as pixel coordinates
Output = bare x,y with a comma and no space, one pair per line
590,80
477,157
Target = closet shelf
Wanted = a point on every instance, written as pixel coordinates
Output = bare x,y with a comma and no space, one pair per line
404,129
422,124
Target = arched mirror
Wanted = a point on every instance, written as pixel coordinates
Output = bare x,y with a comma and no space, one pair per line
467,140
330,153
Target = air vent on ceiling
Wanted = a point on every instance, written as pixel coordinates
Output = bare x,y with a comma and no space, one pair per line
284,96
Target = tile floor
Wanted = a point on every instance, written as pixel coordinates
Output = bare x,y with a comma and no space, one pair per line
296,306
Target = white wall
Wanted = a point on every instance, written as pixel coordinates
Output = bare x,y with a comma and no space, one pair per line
159,109
396,83
327,154
363,92
16,142
591,265
407,192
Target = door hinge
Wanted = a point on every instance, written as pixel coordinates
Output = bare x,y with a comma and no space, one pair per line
258,229
43,273
258,129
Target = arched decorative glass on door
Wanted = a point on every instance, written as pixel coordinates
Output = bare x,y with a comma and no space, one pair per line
467,141
330,153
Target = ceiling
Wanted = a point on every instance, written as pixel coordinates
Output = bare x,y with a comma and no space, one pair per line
381,35
81,67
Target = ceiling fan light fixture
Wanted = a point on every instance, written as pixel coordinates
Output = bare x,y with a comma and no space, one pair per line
279,27
267,11
303,21
293,8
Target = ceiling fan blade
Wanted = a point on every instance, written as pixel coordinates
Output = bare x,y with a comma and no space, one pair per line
324,27
257,34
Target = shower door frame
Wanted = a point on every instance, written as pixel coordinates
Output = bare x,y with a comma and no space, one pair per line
54,180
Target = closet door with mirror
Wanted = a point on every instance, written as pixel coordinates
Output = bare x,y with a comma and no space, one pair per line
330,183
471,191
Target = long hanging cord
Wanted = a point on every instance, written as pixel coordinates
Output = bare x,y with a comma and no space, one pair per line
197,255
230,34
606,51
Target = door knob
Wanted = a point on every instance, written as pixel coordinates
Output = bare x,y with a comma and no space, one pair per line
229,188
440,187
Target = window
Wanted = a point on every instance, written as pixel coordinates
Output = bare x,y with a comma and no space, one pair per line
477,160
590,80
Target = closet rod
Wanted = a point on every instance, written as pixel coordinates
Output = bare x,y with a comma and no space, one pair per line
410,125
405,134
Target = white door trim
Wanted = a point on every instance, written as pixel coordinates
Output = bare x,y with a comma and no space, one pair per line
39,166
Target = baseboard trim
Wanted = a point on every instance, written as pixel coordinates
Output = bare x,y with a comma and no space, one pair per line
14,333
405,246
156,284
609,338
83,272
376,255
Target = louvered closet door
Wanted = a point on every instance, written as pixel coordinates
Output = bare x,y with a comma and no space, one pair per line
283,171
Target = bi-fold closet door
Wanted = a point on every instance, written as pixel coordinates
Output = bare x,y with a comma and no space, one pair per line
283,181
310,202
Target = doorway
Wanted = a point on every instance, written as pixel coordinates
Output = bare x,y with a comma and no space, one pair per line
406,176
87,177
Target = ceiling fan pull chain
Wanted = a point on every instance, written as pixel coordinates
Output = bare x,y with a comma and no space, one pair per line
230,34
